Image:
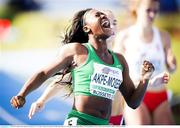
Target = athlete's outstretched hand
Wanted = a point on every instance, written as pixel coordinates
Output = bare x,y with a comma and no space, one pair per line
35,107
171,63
147,70
17,101
162,78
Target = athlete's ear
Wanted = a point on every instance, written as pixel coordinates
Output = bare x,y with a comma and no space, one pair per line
86,29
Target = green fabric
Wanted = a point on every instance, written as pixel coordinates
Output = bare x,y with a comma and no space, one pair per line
81,76
85,119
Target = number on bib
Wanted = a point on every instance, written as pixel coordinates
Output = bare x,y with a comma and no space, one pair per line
71,121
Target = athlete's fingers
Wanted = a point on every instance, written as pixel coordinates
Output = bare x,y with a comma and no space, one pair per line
31,111
148,66
165,81
147,69
21,101
36,106
14,102
34,109
166,77
17,101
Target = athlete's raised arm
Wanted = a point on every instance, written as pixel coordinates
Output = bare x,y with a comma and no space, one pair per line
64,59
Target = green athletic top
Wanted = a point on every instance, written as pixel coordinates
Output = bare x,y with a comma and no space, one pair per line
95,77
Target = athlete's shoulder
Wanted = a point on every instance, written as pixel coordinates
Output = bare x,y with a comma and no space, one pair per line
121,58
73,48
165,36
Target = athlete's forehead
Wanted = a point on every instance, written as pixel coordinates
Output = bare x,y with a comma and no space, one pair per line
150,4
92,12
109,14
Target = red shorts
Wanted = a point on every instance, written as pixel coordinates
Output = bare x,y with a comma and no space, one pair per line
153,99
116,120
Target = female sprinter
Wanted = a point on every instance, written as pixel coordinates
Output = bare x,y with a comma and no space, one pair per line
58,84
145,41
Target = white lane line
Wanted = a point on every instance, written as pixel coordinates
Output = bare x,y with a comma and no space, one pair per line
9,118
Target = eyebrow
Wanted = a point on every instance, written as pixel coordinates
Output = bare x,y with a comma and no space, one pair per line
100,13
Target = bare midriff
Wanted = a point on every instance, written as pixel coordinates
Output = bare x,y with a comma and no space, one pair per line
93,105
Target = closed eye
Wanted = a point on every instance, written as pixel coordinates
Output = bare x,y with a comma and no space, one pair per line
97,14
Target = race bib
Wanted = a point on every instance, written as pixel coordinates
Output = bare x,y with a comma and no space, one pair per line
105,81
71,121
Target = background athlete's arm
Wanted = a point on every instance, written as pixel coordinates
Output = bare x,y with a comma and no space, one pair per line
47,95
169,56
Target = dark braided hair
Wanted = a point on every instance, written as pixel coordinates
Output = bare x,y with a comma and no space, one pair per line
74,33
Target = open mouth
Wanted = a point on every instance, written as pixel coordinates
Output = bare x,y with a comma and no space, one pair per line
105,23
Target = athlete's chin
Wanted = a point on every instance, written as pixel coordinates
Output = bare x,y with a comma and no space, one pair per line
106,34
109,32
149,22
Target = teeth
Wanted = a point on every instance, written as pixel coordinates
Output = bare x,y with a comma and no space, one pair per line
105,23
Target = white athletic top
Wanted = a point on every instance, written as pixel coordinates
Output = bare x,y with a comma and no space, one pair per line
136,51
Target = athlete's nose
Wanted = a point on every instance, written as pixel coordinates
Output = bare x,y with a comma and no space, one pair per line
103,15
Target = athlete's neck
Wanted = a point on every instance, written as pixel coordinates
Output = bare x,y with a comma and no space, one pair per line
99,45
